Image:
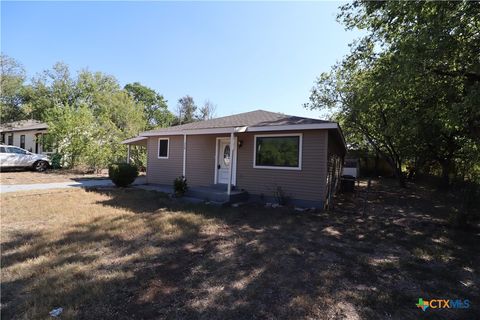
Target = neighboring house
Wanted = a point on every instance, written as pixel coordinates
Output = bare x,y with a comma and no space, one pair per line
26,134
256,152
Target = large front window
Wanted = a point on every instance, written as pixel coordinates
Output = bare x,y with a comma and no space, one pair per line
278,151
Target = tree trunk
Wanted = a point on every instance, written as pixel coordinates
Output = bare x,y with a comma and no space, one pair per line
445,182
399,175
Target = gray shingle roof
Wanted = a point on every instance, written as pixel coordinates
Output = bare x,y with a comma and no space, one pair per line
23,125
257,118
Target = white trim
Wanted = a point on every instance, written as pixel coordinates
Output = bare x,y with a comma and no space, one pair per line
300,150
184,154
327,125
216,161
234,169
232,148
194,131
133,140
158,148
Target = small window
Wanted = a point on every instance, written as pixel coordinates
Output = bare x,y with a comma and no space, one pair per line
163,146
3,150
278,151
2,138
10,139
226,155
22,141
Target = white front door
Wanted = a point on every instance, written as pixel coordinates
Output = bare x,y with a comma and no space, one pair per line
223,160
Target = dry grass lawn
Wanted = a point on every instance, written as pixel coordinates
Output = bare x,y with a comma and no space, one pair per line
128,253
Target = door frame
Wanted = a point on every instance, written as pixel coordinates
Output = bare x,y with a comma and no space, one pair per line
234,162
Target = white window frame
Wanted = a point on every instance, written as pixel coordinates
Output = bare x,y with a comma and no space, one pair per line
158,148
300,150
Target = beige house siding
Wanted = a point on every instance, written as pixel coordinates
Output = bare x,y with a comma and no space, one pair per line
309,183
305,184
200,168
164,171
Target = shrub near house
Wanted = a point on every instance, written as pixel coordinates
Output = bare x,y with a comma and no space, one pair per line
122,174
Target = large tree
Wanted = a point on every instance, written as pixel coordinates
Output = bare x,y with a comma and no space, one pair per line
154,104
411,85
88,114
12,79
186,110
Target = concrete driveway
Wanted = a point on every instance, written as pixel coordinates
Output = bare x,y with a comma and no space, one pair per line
64,185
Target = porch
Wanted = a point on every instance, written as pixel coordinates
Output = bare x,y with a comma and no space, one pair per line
209,163
214,193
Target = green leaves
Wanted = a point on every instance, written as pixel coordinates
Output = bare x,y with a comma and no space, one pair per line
12,78
154,105
410,87
88,116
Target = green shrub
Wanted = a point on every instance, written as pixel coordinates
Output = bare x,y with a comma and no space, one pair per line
122,174
180,186
56,161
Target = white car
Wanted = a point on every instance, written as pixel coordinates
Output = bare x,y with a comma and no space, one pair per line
15,157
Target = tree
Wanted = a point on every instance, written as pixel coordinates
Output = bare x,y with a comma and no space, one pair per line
411,86
88,115
155,106
118,117
207,111
186,110
12,79
366,107
71,132
53,87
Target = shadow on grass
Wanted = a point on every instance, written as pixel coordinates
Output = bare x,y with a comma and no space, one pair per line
195,261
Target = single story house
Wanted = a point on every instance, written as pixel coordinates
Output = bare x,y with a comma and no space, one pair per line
26,134
264,154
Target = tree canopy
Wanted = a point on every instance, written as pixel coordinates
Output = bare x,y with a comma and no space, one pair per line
154,105
410,88
12,78
89,113
186,110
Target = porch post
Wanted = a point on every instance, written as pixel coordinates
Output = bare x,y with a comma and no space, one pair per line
128,153
184,154
232,146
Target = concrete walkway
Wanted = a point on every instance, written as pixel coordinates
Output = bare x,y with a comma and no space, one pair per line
63,185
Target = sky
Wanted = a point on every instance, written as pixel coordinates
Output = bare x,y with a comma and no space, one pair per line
240,56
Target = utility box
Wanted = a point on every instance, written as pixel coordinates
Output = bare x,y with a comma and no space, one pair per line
347,183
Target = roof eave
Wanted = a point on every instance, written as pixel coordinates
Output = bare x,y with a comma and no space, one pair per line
5,130
193,131
313,126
